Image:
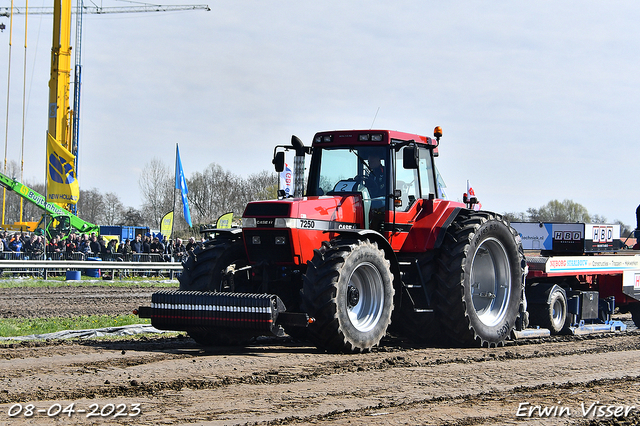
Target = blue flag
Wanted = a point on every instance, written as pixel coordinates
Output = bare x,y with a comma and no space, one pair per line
181,184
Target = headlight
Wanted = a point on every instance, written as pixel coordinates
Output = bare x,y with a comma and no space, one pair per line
249,222
283,222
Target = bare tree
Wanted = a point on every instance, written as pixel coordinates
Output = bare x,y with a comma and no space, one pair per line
515,217
212,193
258,186
156,185
132,217
113,209
216,191
91,206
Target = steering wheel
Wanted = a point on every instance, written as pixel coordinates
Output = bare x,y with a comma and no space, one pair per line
360,179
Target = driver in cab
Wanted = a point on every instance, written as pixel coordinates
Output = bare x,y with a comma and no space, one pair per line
375,181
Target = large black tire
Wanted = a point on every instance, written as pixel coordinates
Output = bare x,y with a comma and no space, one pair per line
480,279
634,308
348,289
207,267
419,327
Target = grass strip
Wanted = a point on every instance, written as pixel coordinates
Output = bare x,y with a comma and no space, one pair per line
86,282
11,327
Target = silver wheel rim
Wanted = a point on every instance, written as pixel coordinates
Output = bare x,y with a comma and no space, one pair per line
490,281
557,313
366,282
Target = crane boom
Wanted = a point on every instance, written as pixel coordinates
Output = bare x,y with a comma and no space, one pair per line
56,212
59,110
6,11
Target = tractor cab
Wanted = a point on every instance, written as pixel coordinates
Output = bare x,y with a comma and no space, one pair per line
389,170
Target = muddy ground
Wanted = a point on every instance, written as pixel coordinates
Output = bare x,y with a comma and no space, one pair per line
167,381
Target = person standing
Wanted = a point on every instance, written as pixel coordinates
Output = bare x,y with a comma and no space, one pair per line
94,245
136,245
179,250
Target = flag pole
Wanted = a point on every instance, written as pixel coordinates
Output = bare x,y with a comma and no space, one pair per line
175,177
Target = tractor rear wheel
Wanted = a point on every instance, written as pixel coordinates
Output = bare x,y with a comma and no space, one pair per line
208,267
348,289
480,279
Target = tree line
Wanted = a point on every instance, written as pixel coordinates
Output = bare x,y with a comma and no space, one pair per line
216,191
566,211
212,193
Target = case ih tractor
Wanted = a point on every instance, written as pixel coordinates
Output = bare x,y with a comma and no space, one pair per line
371,245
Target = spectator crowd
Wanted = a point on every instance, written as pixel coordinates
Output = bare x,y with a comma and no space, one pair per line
141,248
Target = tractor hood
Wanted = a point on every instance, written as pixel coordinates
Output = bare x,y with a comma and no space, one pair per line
327,212
287,231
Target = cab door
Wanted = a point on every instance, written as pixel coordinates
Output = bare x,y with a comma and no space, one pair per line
413,187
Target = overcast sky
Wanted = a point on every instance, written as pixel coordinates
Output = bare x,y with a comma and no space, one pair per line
538,100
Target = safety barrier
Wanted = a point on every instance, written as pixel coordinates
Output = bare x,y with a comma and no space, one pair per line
108,268
134,257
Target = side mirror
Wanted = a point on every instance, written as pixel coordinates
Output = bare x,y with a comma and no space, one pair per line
410,157
278,161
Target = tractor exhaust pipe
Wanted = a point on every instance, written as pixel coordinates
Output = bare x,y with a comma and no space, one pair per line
298,167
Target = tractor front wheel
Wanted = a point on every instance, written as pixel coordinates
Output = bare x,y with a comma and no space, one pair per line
348,289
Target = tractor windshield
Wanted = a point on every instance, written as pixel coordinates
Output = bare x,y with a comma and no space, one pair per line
350,169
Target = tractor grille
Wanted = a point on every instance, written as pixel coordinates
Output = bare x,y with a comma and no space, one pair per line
186,310
273,245
275,209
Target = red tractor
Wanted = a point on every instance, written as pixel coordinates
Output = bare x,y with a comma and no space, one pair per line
371,245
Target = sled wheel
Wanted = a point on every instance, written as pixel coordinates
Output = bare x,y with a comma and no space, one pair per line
348,290
634,308
556,315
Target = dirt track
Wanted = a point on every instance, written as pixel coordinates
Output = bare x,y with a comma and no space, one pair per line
282,382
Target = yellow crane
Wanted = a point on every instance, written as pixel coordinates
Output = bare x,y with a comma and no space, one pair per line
63,122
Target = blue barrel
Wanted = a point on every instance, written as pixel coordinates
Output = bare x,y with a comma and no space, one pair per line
91,272
73,276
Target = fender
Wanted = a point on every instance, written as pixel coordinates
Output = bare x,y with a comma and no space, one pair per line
227,231
231,234
443,230
540,293
382,242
